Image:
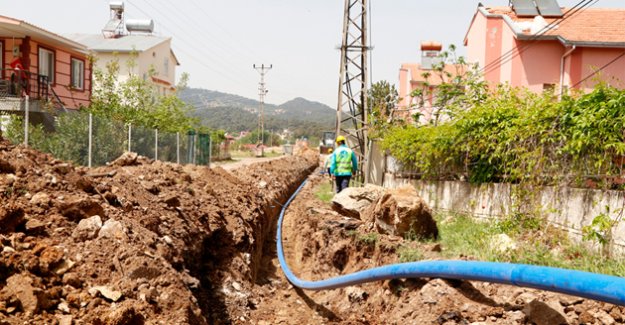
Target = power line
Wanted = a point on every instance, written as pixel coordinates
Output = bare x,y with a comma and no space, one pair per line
185,19
512,53
225,30
191,45
600,69
244,54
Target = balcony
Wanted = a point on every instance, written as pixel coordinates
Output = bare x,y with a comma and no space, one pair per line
15,85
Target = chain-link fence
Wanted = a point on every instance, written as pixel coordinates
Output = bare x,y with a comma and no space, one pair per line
91,140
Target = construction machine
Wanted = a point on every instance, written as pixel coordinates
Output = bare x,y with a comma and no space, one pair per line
327,142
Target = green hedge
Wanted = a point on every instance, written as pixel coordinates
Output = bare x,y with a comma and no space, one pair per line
515,135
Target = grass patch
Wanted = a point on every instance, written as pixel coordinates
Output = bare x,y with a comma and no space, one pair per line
409,254
465,236
324,192
369,239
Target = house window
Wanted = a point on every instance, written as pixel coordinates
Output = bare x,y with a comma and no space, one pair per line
46,64
166,66
549,87
78,74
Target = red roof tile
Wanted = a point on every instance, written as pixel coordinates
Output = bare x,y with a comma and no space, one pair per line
592,25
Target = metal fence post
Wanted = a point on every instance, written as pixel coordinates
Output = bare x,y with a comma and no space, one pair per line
178,147
26,119
129,136
155,144
90,149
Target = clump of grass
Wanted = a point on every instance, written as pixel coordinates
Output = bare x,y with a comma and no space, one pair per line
369,239
466,236
409,254
463,235
324,192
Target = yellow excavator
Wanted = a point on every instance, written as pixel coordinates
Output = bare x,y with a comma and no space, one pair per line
327,142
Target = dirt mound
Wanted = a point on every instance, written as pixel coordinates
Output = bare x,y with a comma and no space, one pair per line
403,213
400,212
136,242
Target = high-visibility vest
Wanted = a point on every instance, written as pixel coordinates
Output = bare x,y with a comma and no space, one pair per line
343,161
327,162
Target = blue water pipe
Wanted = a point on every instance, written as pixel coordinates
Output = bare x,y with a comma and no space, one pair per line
577,283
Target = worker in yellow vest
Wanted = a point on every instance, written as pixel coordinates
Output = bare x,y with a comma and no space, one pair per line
326,163
343,164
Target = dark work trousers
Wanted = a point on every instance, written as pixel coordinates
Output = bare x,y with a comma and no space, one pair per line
342,182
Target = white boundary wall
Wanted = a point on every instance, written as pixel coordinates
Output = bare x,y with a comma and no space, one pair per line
567,208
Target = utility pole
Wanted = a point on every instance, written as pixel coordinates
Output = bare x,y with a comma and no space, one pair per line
262,91
352,110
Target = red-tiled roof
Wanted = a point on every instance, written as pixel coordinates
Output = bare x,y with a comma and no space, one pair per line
590,25
11,27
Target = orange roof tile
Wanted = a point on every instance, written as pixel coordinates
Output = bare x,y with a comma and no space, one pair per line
590,25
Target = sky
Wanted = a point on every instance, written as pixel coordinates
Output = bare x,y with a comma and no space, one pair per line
218,41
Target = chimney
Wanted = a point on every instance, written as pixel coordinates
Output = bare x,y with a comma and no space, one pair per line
430,52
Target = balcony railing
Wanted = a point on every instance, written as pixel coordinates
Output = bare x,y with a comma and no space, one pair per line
19,83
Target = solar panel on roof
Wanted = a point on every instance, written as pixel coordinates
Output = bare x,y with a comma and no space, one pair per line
112,25
549,8
524,8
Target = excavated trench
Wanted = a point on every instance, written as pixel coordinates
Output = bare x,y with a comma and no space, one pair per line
146,242
136,242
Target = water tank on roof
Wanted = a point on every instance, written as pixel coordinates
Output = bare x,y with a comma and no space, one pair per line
430,52
431,46
140,25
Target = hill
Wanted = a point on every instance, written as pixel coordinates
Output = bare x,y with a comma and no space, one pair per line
235,113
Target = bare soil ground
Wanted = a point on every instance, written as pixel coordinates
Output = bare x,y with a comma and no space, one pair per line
146,242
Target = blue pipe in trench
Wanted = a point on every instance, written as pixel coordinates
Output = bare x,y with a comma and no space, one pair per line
577,283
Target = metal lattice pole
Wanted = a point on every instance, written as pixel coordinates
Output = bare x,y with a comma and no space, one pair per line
262,91
352,110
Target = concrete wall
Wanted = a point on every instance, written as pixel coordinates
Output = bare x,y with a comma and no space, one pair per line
567,208
377,162
594,58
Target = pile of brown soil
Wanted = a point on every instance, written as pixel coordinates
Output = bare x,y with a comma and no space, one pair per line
136,242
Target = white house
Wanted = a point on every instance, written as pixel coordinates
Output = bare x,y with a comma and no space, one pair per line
138,51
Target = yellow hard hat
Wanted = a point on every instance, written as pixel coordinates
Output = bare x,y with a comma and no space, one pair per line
340,138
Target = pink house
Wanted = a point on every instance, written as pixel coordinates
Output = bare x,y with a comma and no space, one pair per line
418,83
525,49
47,67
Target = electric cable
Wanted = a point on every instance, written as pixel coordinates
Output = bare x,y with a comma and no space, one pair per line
192,46
512,53
599,70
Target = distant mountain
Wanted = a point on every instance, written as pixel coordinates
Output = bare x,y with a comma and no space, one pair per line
235,113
